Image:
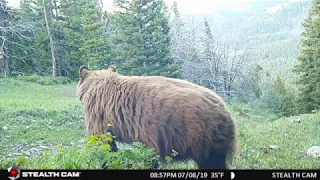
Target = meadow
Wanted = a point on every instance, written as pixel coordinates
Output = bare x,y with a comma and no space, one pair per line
42,126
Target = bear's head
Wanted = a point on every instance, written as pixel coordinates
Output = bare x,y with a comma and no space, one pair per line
86,76
85,73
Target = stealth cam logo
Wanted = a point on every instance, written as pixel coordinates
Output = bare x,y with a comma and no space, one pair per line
14,173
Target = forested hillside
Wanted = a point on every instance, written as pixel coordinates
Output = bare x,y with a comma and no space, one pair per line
270,28
277,22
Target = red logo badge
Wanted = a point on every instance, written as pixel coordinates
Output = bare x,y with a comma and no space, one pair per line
14,173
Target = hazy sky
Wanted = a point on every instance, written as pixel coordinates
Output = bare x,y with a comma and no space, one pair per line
197,6
188,6
193,6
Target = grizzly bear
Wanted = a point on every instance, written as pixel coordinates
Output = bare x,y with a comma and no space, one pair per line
163,113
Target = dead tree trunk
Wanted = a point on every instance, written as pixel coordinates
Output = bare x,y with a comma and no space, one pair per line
4,59
54,62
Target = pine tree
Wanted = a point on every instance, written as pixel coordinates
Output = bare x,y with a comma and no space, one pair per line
309,59
179,44
85,33
95,48
212,57
142,38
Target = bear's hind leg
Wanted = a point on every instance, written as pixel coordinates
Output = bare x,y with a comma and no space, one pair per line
114,147
216,160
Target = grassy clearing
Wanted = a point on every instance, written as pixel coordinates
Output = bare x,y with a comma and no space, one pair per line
42,127
16,96
291,140
32,115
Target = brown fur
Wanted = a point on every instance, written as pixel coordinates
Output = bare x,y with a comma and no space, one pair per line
163,113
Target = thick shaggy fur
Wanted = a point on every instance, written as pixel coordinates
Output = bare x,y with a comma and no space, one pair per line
163,113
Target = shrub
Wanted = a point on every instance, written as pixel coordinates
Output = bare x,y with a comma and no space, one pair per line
92,155
277,98
45,80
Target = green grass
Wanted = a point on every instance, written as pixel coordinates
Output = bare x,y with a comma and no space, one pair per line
22,96
35,118
292,139
33,113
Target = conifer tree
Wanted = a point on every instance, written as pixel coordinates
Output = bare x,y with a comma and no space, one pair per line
309,58
85,33
179,44
142,38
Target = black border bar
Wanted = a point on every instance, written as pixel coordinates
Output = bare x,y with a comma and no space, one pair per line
165,174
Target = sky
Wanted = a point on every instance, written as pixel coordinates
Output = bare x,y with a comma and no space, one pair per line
186,6
192,6
199,6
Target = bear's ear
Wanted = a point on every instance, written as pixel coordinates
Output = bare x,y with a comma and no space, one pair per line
112,68
83,71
